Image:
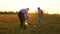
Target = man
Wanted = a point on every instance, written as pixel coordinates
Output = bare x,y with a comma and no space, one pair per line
40,15
23,15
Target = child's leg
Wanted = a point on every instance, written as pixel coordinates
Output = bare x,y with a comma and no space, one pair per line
40,21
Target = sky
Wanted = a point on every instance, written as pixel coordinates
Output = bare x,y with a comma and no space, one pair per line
51,6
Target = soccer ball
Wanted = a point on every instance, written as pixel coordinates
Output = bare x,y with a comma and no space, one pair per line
26,23
34,26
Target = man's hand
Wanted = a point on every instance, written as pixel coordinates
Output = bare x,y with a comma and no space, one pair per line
28,19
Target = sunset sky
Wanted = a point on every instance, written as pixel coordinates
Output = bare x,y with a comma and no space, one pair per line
51,6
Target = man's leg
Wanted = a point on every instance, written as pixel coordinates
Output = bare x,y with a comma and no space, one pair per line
24,22
21,23
21,19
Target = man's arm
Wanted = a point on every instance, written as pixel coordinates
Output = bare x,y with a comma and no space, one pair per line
27,16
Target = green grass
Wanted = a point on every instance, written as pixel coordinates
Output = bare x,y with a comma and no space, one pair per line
10,24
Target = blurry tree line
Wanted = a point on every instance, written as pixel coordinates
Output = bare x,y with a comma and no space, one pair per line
8,12
16,12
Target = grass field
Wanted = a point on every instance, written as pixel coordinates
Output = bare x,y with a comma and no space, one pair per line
10,24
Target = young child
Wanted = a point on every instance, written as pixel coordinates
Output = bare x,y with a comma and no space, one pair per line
40,15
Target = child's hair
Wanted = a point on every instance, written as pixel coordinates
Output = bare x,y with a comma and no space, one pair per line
38,8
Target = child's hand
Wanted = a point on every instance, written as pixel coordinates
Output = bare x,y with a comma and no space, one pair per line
28,19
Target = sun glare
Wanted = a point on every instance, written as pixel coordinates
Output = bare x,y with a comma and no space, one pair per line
51,6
